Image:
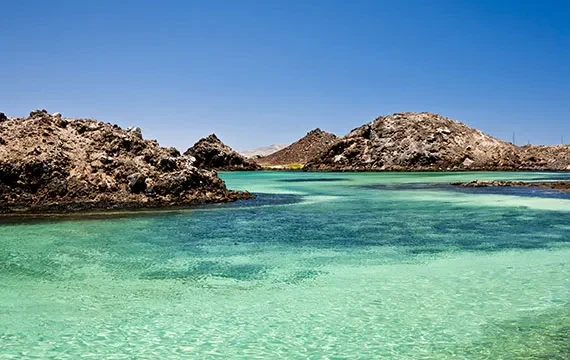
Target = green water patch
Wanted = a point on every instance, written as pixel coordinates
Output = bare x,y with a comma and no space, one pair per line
545,335
261,199
300,276
314,270
314,179
206,269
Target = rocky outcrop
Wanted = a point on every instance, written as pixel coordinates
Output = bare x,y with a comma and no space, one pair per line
50,163
211,153
540,157
417,142
302,150
554,185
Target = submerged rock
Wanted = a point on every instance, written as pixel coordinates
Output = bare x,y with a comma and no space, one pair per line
553,185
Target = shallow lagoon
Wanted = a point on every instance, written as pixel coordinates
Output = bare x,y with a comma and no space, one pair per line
321,265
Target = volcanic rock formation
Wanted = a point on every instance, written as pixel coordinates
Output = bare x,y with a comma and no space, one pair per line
49,163
417,141
211,153
302,150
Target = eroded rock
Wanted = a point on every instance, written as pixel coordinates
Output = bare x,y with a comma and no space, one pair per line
416,142
87,164
211,153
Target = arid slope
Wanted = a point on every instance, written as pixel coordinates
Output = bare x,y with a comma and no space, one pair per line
302,150
417,141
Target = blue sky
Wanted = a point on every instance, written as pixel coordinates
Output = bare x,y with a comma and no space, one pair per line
262,72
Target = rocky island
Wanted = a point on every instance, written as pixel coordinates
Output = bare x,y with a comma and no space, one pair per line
430,142
49,163
416,141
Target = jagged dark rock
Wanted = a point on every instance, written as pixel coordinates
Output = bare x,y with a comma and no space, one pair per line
136,131
301,151
211,153
3,117
52,164
137,183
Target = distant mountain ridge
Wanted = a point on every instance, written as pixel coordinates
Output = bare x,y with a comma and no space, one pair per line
263,151
301,151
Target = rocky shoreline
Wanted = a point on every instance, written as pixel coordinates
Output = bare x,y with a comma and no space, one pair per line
52,164
554,185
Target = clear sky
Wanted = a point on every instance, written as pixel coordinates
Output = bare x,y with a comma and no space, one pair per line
267,71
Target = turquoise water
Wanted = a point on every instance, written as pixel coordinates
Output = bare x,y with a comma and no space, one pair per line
320,266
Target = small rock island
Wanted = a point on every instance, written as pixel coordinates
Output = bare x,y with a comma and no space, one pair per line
49,163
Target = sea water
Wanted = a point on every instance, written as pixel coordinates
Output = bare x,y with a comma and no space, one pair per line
319,266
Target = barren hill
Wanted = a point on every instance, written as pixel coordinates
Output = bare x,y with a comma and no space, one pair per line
302,150
417,141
